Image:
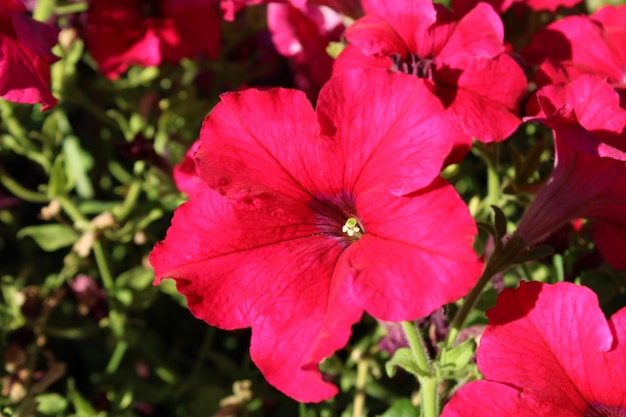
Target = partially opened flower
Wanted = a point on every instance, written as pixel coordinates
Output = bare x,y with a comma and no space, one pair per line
548,351
350,8
308,218
462,61
25,56
121,33
302,35
589,177
501,6
578,45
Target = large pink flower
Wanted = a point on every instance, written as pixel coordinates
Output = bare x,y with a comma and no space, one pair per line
25,56
548,351
589,177
121,33
462,61
308,218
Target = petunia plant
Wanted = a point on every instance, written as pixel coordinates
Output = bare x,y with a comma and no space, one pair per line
313,208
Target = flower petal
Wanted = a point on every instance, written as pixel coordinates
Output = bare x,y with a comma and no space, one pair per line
487,111
542,338
392,131
486,398
267,270
258,142
407,264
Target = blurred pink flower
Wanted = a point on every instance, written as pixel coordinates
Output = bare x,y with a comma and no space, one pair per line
350,8
25,56
121,33
463,6
302,35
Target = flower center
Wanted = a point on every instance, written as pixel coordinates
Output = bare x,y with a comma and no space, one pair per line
337,218
414,65
352,229
601,410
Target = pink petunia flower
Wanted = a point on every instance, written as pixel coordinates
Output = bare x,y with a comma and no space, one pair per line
589,177
458,59
548,351
350,8
308,218
463,6
302,35
121,33
25,56
578,45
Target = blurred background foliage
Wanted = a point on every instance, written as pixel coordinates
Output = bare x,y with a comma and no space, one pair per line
86,191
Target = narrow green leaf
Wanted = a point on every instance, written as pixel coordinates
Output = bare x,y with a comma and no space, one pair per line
499,222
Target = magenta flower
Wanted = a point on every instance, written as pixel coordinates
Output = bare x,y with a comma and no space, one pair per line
308,218
501,6
347,7
589,177
25,56
548,351
457,59
302,35
121,33
578,45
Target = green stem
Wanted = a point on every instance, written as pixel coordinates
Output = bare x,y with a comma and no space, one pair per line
103,266
12,124
361,381
428,384
116,357
418,349
499,261
19,191
493,184
429,396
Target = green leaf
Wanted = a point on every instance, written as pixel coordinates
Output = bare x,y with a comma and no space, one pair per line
50,237
137,278
401,408
58,184
499,222
51,403
78,164
459,356
81,405
404,359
